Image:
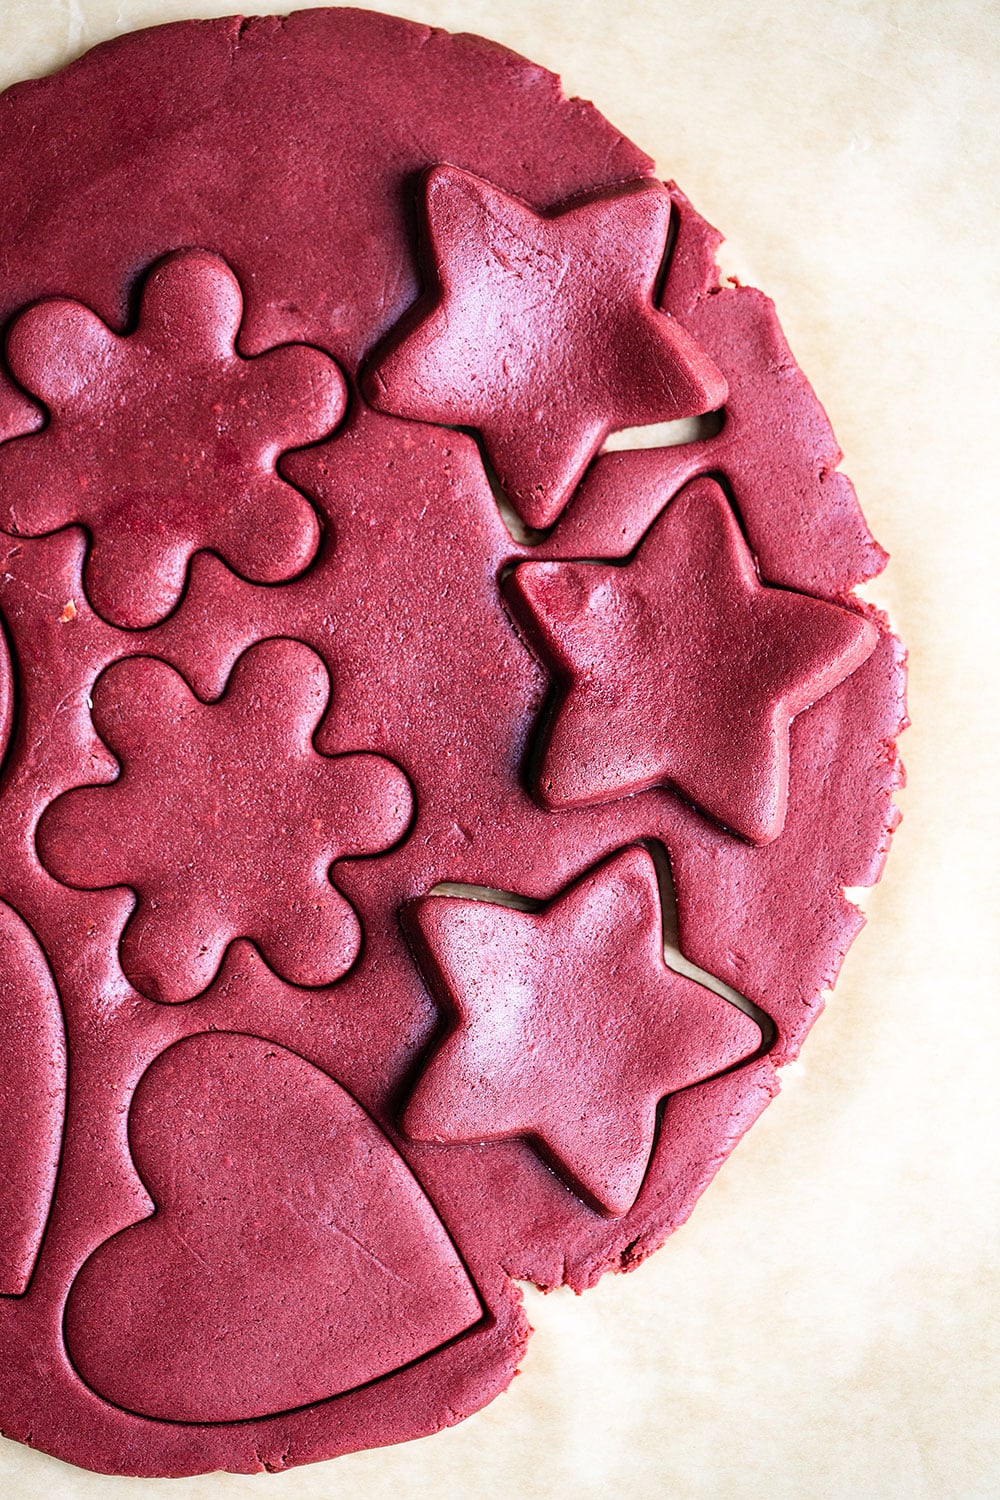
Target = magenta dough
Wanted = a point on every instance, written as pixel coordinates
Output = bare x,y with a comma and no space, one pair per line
368,730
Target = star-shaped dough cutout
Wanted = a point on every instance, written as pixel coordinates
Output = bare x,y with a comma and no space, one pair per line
541,333
570,1027
681,668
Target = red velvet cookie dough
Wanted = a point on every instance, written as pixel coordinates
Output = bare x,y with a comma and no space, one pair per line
268,693
184,818
252,1155
33,1046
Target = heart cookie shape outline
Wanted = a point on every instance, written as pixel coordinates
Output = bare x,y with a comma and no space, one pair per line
243,1294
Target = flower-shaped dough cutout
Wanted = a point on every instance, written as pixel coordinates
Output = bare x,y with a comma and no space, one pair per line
571,1028
680,667
542,333
225,821
165,441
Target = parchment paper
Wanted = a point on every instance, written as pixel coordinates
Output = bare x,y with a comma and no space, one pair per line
823,1327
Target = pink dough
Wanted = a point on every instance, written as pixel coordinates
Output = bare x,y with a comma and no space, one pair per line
209,791
33,1052
189,434
278,671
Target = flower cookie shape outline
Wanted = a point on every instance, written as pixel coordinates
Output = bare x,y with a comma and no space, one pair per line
178,824
164,440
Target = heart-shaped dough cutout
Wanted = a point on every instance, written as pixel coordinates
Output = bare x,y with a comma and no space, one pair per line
292,1255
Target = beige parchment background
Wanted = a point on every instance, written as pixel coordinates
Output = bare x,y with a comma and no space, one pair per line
824,1326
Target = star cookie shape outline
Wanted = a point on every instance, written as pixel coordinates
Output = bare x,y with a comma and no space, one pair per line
543,399
570,1027
679,667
